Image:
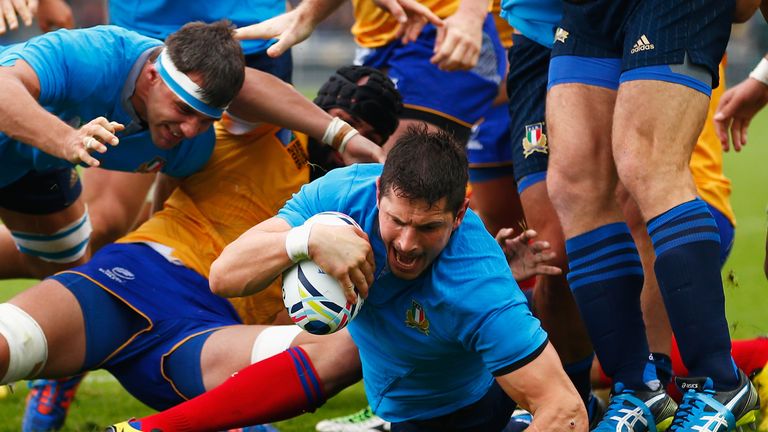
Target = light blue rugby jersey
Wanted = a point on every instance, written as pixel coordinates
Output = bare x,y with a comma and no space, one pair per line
478,319
160,18
89,73
535,19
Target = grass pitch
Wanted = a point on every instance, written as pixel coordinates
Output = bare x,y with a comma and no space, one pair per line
101,401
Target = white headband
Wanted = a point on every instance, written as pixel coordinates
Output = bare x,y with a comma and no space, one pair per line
186,89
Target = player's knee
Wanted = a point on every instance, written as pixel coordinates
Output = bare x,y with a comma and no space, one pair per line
23,346
65,247
336,360
273,340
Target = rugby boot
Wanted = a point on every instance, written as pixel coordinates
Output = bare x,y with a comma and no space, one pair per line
637,410
362,421
48,403
706,410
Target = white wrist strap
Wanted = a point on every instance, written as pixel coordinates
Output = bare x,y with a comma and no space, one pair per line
338,133
297,242
760,72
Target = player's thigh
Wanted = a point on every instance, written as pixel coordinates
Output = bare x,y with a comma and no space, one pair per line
47,219
656,127
56,310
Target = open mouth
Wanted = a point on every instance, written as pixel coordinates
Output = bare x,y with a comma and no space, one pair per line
405,262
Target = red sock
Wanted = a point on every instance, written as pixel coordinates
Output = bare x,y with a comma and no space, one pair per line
750,354
278,388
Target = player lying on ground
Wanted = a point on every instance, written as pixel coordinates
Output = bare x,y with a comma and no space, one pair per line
420,248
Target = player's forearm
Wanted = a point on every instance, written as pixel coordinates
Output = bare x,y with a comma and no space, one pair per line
474,10
543,388
318,10
23,119
249,264
265,98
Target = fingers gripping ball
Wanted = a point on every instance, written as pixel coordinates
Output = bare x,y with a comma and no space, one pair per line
315,301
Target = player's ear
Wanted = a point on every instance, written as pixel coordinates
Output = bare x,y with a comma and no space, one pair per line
378,181
460,214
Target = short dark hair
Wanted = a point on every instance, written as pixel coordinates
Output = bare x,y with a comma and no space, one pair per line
427,166
375,101
212,51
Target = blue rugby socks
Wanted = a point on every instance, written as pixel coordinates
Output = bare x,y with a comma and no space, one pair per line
606,278
687,245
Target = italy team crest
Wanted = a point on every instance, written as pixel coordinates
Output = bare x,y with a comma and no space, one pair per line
152,166
415,317
535,140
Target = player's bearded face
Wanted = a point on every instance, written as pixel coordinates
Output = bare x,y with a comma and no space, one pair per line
413,232
170,119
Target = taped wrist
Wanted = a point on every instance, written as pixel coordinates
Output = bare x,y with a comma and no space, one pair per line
338,133
297,242
760,72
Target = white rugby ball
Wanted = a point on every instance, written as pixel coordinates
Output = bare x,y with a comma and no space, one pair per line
315,301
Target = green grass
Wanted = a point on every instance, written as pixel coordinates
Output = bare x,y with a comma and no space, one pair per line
101,400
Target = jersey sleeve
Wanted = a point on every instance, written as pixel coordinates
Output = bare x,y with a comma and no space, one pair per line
489,313
328,193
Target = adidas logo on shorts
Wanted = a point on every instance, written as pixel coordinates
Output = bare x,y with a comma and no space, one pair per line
642,44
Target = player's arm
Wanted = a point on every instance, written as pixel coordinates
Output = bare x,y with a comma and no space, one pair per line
543,388
291,27
23,119
458,42
266,98
739,105
256,258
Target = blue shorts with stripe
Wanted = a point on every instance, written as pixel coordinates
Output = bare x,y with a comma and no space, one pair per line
489,151
461,96
151,309
527,91
647,36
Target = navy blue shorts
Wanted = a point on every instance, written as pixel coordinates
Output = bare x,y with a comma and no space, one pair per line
430,94
527,91
167,306
490,413
281,67
648,34
43,192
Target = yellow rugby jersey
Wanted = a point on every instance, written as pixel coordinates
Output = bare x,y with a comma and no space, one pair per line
247,180
707,160
374,27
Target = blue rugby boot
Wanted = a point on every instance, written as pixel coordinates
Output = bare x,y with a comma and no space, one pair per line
637,411
48,403
705,410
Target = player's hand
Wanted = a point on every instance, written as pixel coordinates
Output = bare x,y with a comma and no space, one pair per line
736,109
362,150
12,10
526,258
289,29
53,14
411,15
92,136
345,253
458,42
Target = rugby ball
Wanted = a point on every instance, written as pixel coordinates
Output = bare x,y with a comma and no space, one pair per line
315,301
